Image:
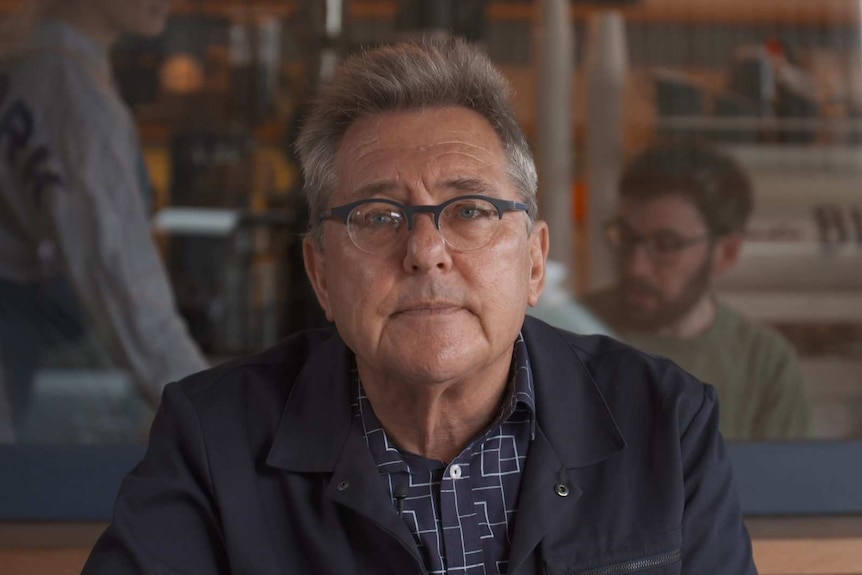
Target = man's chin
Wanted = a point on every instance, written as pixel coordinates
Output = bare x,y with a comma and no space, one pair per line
640,308
652,319
638,296
640,319
642,315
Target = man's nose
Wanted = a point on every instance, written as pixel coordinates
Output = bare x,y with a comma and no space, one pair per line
426,248
636,260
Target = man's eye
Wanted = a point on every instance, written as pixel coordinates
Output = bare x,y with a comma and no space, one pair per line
474,212
667,244
624,239
380,218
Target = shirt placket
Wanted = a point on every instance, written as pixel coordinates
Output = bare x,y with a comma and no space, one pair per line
461,534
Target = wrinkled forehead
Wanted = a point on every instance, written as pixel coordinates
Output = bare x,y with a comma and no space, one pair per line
408,146
420,129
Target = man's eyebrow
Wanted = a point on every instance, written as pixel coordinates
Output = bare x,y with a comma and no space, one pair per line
660,232
386,187
468,185
668,233
372,189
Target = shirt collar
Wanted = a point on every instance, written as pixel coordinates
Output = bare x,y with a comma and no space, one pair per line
523,391
67,38
521,397
316,421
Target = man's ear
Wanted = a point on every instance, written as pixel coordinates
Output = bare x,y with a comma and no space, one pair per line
539,245
315,268
727,250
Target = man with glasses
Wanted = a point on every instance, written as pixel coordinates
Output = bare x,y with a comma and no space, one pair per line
682,215
435,429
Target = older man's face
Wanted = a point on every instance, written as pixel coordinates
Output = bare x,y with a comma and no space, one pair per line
427,313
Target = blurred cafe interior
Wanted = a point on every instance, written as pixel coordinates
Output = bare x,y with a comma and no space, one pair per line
217,99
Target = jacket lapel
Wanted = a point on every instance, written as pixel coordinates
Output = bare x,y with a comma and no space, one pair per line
317,433
540,506
316,419
356,484
575,429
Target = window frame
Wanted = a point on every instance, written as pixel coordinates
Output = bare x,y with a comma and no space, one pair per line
79,483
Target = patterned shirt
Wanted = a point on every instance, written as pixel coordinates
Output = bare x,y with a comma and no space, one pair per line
462,516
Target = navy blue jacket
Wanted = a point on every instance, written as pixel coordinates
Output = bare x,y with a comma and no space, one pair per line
257,467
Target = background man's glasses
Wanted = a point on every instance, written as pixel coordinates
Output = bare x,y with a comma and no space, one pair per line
663,247
466,223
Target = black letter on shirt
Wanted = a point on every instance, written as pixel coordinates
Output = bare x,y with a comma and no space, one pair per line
36,175
16,127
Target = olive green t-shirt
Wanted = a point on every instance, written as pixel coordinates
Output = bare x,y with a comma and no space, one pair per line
753,368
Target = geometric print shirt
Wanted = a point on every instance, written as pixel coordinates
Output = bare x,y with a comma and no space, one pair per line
461,515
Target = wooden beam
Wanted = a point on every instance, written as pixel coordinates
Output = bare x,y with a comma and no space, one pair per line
805,12
232,8
704,12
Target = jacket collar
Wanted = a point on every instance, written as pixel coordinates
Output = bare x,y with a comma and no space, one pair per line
570,409
317,417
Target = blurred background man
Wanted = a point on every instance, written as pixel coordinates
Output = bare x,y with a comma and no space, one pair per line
682,214
80,275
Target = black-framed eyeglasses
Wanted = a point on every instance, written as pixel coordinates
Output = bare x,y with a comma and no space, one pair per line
466,223
662,247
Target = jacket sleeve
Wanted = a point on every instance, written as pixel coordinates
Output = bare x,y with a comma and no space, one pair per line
714,536
165,521
98,222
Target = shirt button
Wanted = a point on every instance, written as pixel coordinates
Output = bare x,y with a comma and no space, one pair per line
455,471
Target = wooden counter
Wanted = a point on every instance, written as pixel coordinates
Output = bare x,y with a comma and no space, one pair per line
807,546
782,546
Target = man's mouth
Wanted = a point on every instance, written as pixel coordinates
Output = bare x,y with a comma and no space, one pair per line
430,308
639,297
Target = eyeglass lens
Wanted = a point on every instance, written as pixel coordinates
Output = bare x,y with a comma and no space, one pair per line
658,247
465,225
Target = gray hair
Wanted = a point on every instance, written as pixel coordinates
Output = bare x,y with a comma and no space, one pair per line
408,76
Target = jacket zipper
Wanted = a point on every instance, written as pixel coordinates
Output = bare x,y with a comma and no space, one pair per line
635,565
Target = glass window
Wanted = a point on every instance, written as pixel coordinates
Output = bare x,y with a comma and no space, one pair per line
773,89
191,124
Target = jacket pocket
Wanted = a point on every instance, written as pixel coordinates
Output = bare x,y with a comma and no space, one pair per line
634,565
653,554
